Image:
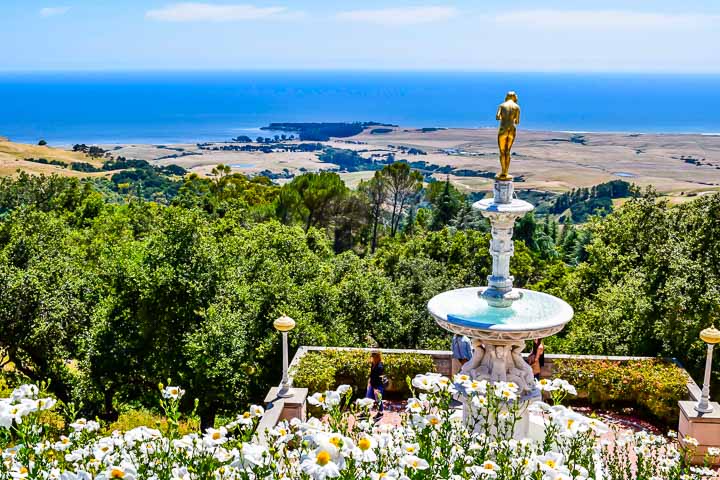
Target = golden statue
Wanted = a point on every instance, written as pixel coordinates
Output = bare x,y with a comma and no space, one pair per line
509,115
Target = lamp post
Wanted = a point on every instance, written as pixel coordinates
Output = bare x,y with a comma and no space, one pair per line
711,336
283,325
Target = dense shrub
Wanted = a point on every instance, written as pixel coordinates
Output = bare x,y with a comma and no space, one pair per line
325,370
655,386
138,418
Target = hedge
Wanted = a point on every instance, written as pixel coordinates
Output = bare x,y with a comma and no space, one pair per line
326,369
654,386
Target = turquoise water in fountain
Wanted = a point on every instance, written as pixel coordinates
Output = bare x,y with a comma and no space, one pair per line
534,311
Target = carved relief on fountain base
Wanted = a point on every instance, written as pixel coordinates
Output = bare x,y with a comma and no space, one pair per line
500,362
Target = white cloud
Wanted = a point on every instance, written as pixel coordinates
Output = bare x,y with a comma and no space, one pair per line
601,20
399,16
208,12
52,11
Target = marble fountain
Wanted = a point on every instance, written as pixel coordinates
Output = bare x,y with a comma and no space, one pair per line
499,318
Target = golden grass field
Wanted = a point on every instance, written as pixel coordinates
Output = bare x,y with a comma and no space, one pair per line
13,155
552,161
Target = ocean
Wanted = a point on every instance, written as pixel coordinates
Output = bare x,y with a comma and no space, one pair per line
181,107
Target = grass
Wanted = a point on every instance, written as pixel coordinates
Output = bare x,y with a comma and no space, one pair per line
13,155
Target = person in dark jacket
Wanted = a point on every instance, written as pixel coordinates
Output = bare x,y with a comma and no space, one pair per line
376,388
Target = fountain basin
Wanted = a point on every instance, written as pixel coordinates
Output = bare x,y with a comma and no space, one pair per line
535,315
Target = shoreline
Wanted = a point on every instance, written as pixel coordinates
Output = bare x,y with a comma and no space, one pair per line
64,143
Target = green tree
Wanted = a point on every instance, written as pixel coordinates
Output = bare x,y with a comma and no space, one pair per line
446,201
316,195
404,184
46,297
376,192
650,281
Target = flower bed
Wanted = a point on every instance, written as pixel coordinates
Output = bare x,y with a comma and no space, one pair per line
323,370
655,386
433,442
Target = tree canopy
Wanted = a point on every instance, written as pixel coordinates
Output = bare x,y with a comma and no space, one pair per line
106,295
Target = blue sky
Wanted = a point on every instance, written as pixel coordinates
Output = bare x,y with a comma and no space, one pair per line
518,35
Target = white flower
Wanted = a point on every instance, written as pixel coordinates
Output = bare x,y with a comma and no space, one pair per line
505,393
12,413
256,455
488,468
386,475
364,403
25,391
571,422
63,444
461,378
411,448
246,418
426,382
118,472
215,436
597,426
173,393
365,449
43,403
257,411
414,462
545,385
79,475
181,473
414,406
320,465
326,400
343,389
433,419
81,424
103,448
550,461
564,385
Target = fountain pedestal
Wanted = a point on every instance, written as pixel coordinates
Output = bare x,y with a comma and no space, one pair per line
502,210
500,318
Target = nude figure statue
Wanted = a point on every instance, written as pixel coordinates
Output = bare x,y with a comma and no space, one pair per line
508,113
498,373
476,360
520,372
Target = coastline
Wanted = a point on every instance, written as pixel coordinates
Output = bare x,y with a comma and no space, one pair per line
258,131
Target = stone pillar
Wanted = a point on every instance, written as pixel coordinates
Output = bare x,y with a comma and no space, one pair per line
502,211
703,427
290,407
503,191
502,249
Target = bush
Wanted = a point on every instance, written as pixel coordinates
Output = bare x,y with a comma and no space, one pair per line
654,386
138,418
326,370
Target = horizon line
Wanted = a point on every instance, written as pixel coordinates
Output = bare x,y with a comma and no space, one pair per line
355,70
